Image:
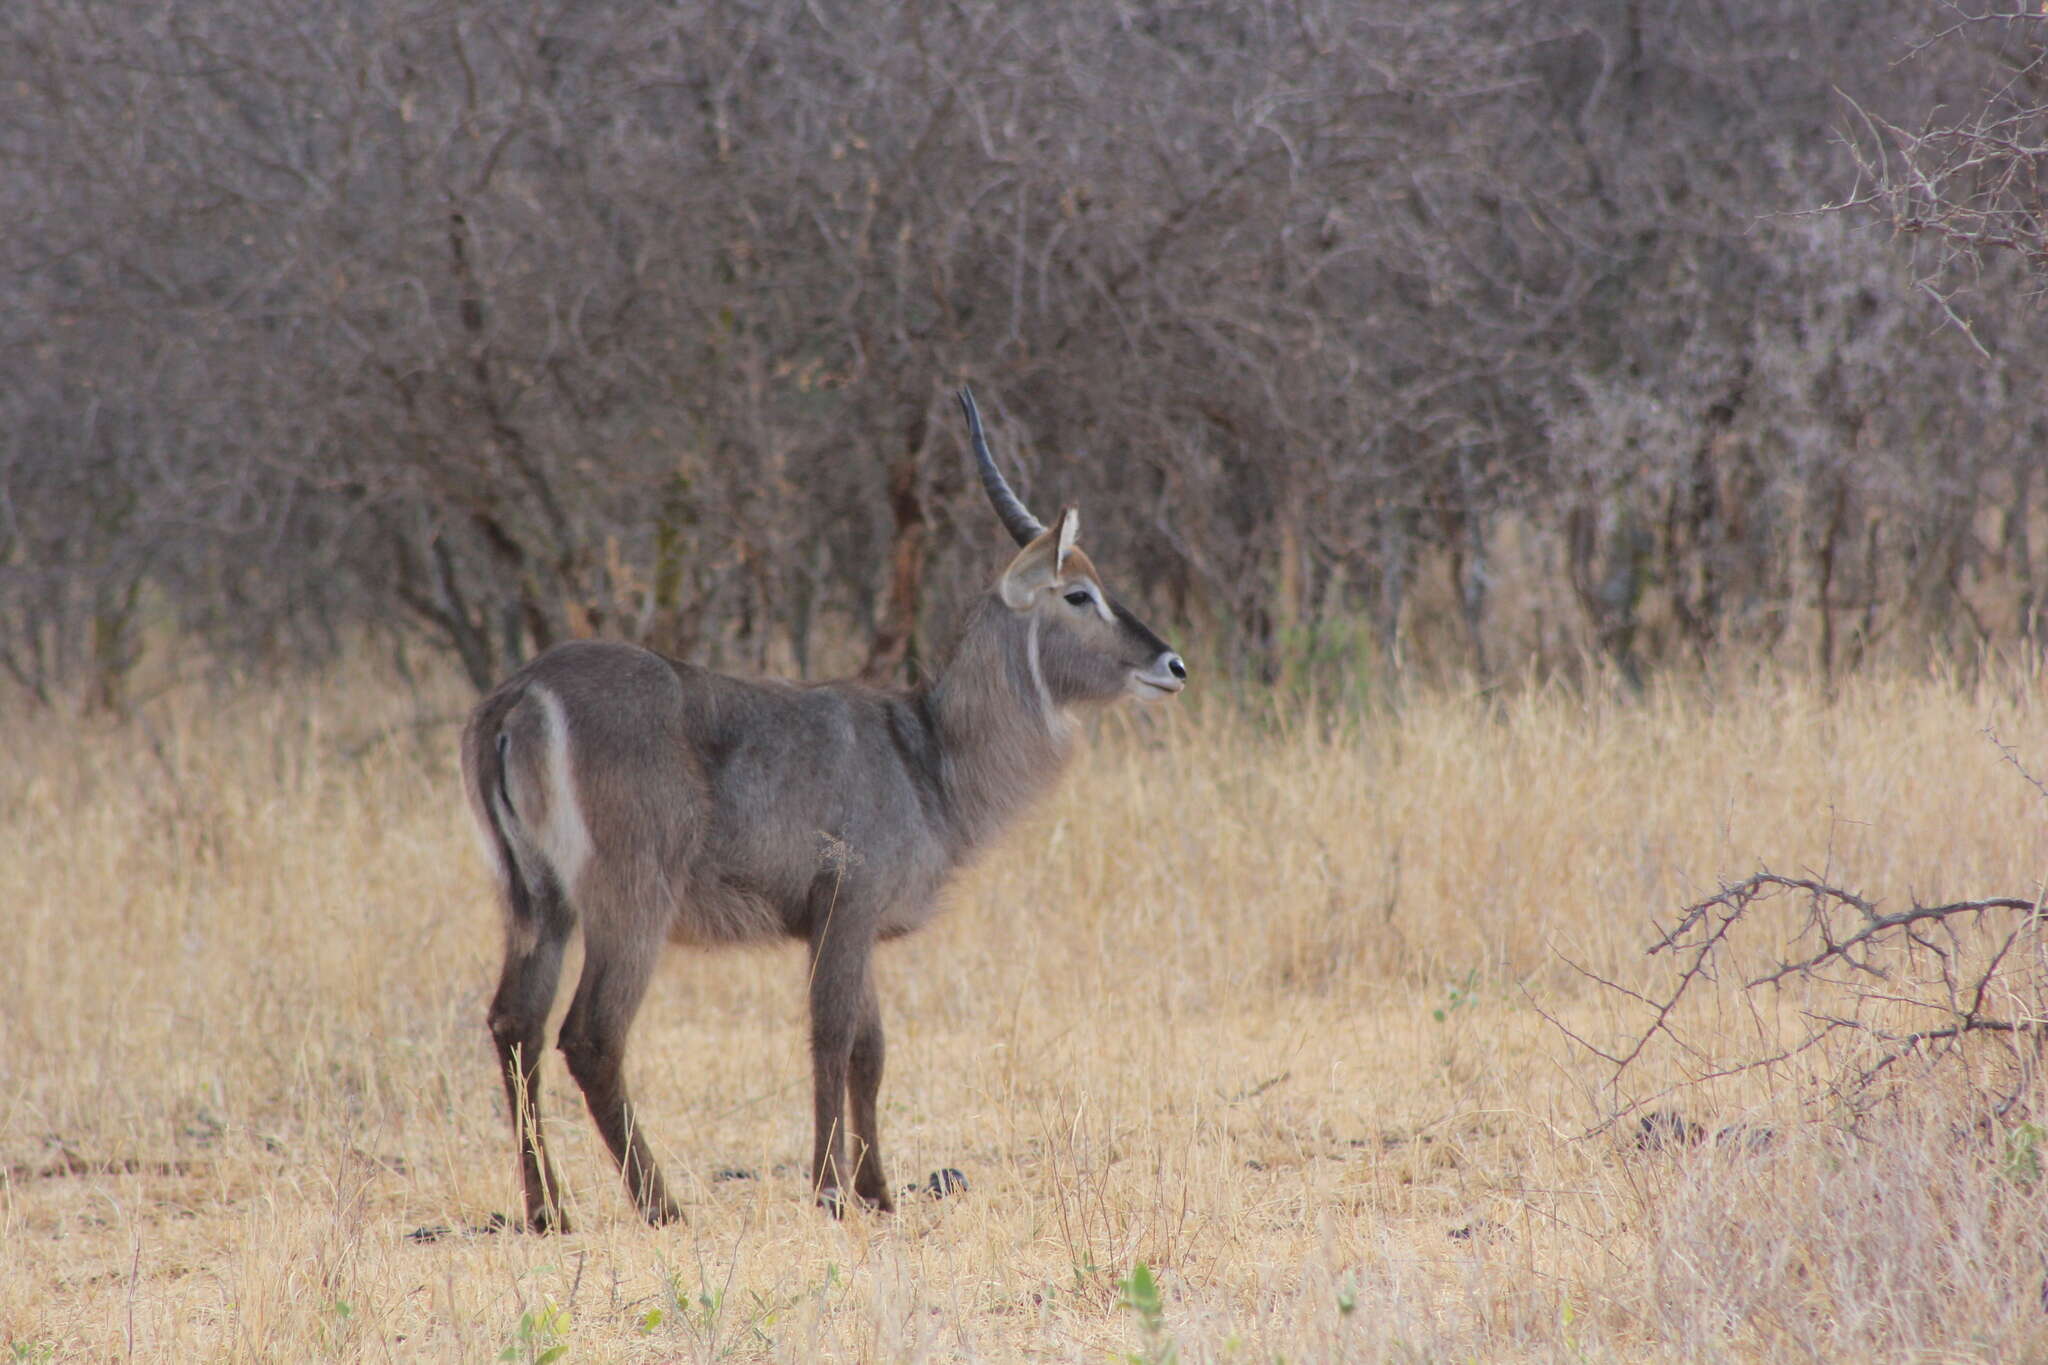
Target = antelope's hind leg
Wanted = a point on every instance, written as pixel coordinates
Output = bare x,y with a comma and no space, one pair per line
538,928
616,970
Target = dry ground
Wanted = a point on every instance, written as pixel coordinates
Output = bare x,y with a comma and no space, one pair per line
1254,1005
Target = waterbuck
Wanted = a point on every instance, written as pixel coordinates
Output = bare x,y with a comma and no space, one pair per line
642,799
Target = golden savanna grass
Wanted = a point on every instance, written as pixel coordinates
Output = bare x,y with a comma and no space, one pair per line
1258,1004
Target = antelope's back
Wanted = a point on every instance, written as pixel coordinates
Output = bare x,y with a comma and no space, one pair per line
818,795
742,805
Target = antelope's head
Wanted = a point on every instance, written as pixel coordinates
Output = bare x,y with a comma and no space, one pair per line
1084,645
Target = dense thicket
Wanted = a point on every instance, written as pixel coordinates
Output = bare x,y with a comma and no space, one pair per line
1364,329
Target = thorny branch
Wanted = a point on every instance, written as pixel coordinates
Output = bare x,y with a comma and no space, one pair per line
1944,983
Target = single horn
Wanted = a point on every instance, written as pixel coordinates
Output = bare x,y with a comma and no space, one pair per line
1017,519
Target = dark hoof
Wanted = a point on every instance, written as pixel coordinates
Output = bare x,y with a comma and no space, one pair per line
833,1202
939,1184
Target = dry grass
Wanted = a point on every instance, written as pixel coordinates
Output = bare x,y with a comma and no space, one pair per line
1186,1017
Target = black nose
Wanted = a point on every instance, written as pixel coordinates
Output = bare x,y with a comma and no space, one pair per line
1177,668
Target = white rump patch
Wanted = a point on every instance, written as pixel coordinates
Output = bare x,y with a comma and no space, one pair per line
562,835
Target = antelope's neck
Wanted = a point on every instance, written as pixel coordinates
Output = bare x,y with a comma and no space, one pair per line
1001,739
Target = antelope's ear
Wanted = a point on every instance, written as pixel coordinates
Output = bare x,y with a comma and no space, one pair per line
1037,566
1069,530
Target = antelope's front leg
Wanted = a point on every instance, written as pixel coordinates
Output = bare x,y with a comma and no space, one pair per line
864,1082
839,964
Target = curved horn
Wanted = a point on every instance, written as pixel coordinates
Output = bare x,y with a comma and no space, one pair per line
1017,519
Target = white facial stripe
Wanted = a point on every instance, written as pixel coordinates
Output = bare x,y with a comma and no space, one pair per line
1095,595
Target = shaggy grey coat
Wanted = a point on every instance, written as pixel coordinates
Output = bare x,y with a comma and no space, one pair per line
645,800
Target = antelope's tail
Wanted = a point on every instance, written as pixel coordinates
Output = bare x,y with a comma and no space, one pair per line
486,751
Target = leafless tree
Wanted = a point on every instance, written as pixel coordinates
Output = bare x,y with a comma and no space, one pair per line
1451,338
1966,179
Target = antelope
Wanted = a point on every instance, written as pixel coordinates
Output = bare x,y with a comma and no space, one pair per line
639,799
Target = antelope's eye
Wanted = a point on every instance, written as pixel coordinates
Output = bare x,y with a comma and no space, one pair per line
1079,598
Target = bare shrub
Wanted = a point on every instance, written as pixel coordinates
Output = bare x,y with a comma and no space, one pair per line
1845,1004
